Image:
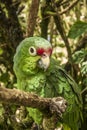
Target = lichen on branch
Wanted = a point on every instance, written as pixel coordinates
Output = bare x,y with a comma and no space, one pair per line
17,97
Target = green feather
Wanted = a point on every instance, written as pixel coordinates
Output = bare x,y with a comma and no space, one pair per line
66,87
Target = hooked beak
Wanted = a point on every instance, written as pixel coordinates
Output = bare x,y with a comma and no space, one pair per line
44,61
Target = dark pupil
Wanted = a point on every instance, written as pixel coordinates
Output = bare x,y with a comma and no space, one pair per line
31,50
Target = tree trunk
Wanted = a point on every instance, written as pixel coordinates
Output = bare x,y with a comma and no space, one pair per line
33,11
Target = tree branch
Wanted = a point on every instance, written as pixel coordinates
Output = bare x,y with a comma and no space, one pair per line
33,11
45,19
69,7
21,98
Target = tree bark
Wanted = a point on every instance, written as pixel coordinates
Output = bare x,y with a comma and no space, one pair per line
21,98
33,11
45,20
10,26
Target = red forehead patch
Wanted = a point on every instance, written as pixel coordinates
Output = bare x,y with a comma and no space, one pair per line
40,51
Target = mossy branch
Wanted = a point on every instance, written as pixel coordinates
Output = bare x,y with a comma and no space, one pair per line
21,98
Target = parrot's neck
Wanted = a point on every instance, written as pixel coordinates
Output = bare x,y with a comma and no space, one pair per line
34,83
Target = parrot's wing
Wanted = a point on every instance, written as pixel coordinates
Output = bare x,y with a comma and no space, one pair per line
58,78
59,83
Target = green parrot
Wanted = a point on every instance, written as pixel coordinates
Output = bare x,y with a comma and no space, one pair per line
39,73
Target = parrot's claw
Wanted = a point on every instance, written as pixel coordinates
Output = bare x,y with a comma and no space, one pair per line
58,106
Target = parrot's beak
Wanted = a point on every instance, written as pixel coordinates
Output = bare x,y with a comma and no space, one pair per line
44,61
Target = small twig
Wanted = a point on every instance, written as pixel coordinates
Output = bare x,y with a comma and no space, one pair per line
64,2
69,7
85,89
16,3
20,9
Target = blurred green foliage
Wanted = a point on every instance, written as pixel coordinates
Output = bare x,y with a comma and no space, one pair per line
77,29
13,26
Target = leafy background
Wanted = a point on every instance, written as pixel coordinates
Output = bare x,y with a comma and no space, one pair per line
62,22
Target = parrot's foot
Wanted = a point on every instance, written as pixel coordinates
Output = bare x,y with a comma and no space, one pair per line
58,106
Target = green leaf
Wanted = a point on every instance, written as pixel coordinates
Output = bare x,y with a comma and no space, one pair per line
77,29
4,77
79,56
84,68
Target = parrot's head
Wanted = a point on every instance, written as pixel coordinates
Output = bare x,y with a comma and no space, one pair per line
32,54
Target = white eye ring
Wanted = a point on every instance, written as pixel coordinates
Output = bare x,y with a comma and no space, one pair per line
32,51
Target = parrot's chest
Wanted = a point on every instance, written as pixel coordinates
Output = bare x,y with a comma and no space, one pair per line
35,84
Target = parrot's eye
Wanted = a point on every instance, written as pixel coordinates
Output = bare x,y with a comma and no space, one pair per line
32,51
